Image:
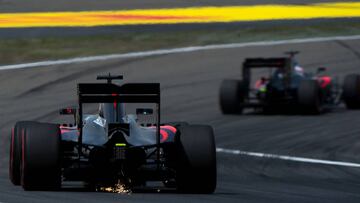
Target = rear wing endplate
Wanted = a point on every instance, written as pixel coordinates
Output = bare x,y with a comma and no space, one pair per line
250,63
127,93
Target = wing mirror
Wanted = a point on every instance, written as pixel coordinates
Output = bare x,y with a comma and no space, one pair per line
68,111
144,111
145,116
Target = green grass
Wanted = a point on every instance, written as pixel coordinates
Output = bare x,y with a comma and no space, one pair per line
14,51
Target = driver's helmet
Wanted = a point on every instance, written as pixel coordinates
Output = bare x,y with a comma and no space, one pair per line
278,73
299,70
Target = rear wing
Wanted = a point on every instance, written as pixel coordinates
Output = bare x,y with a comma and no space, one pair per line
266,62
250,63
127,93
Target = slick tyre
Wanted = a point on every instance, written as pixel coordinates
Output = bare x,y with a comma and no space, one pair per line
40,166
16,151
196,167
309,97
232,94
351,91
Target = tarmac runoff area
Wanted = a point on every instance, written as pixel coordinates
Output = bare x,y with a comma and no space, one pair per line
224,14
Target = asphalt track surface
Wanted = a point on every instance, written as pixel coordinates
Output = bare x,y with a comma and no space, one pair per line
190,83
85,5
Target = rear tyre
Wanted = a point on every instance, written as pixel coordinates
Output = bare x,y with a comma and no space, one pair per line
15,151
232,94
309,97
351,91
196,163
40,166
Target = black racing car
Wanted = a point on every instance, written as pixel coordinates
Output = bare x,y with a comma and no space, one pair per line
115,144
288,87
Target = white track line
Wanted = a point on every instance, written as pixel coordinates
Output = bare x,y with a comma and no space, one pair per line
287,158
175,50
